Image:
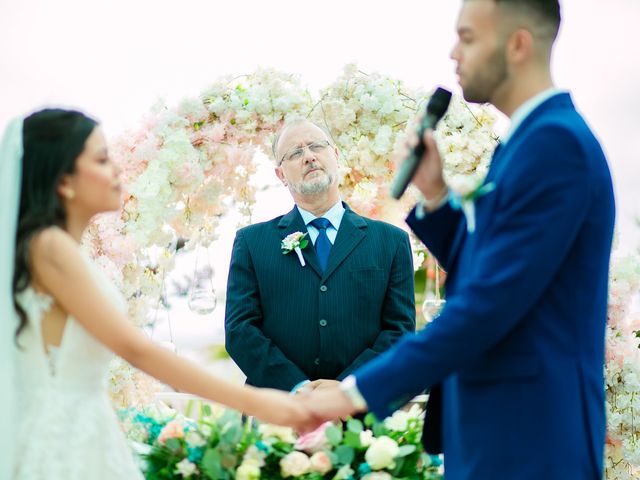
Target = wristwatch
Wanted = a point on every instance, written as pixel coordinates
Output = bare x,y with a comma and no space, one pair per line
350,389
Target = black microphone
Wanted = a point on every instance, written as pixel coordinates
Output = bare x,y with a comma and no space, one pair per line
436,108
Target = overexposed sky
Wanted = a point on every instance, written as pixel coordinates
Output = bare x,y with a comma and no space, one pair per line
115,59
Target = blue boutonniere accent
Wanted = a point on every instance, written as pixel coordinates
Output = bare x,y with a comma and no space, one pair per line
466,203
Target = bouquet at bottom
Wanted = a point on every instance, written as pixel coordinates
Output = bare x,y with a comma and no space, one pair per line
221,445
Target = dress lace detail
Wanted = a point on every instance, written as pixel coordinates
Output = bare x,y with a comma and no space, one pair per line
67,429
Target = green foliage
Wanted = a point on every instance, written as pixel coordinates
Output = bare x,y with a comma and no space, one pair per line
220,442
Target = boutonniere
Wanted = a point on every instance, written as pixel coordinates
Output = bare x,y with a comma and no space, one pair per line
463,197
295,242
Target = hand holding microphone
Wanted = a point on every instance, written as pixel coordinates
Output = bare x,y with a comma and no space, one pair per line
436,108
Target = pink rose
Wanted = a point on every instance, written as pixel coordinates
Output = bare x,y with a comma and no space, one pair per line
217,132
173,429
313,441
321,463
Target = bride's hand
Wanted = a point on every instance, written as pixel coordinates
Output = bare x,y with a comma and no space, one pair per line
280,408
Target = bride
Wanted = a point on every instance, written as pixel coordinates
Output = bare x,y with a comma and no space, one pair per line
71,318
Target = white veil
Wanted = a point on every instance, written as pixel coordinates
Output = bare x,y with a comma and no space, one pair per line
10,181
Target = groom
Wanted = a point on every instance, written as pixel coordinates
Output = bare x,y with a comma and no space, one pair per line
290,325
515,360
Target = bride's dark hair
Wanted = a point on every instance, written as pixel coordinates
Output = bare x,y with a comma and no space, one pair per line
52,141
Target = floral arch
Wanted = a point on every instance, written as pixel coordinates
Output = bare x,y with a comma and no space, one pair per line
186,166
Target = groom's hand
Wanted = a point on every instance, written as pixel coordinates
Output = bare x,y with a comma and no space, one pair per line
428,178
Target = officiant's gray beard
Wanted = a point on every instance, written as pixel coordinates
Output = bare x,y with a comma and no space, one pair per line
315,186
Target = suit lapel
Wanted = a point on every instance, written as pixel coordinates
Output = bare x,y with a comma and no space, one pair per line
462,228
352,231
292,222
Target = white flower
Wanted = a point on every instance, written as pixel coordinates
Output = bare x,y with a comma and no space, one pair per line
194,439
344,472
273,431
185,468
366,438
377,476
321,463
294,464
254,456
381,453
247,471
400,419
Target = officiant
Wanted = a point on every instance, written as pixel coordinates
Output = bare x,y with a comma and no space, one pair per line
317,292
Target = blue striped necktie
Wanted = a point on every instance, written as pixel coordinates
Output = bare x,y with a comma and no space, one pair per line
323,245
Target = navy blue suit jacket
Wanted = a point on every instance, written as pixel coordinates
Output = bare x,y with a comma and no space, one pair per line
286,323
517,353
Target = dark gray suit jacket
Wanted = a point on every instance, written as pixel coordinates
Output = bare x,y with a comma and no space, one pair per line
286,323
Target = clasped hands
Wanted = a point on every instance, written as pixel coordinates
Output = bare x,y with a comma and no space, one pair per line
324,401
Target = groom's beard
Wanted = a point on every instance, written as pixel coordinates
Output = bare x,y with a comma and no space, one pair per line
320,183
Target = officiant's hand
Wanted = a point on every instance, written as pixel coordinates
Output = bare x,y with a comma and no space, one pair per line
279,408
428,178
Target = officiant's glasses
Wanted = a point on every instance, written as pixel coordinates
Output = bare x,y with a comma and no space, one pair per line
297,153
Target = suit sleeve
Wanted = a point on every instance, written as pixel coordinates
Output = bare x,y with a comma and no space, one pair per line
535,223
398,315
258,357
437,231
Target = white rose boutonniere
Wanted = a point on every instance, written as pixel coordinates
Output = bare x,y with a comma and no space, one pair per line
463,196
295,242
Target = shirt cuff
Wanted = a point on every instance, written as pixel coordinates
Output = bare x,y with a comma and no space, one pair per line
349,387
299,385
425,206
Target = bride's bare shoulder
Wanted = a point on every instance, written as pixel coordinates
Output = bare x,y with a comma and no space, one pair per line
52,246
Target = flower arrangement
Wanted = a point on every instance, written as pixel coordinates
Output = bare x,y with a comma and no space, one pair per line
221,445
622,374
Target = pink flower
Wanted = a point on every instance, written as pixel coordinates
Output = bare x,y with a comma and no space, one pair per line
321,463
313,441
173,429
217,132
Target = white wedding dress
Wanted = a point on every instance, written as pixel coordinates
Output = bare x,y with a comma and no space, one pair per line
66,426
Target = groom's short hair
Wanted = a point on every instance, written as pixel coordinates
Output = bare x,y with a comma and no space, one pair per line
543,14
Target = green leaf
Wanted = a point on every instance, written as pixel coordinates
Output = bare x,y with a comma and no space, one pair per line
211,465
173,444
379,429
406,450
352,439
333,434
345,454
354,425
233,434
369,420
304,243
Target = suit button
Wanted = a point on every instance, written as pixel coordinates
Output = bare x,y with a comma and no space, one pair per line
317,361
323,288
323,323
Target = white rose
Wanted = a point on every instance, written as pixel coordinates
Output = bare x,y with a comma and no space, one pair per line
185,468
398,421
366,438
283,433
194,439
377,476
294,464
247,471
321,463
381,453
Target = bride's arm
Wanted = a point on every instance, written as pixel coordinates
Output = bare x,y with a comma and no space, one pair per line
60,270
